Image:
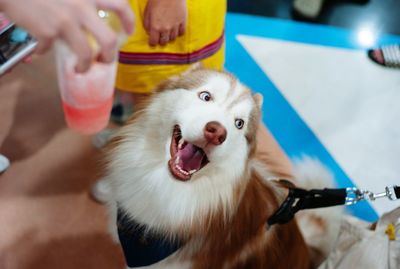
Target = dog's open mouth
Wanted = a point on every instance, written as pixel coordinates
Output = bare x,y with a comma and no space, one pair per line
186,158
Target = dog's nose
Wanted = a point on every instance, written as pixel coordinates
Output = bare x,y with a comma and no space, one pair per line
215,133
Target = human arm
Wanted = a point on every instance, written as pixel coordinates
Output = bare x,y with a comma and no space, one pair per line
165,20
70,21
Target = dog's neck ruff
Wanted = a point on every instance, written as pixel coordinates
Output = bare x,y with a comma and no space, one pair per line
141,247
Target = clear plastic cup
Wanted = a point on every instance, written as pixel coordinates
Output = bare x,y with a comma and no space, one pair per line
87,98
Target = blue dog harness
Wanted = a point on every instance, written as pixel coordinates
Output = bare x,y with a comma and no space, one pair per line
140,247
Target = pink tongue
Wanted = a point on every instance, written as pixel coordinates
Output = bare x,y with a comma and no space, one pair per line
191,157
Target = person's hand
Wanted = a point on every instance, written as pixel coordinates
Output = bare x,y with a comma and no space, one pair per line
71,21
164,20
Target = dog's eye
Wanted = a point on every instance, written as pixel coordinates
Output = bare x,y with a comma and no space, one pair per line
205,96
239,123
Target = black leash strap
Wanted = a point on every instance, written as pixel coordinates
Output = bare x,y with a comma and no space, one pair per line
299,199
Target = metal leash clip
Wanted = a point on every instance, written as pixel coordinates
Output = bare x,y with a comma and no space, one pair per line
355,195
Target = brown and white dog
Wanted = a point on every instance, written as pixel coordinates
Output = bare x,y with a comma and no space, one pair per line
184,170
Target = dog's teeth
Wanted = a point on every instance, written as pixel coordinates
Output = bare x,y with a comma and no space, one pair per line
177,160
181,141
181,170
192,171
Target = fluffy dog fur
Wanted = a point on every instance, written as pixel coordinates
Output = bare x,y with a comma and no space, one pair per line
219,211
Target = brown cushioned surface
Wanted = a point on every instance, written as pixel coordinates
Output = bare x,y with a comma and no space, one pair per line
47,217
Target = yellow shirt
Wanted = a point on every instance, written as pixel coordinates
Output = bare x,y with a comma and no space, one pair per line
141,67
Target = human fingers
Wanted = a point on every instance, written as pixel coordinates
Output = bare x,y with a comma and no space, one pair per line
76,39
122,9
182,29
43,45
173,34
146,21
154,37
27,59
105,38
45,34
164,37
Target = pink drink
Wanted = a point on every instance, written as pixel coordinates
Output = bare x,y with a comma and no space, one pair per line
87,98
88,120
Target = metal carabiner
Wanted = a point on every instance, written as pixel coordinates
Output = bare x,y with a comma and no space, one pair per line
355,195
391,193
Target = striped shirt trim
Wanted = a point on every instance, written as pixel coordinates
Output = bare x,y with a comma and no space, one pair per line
171,58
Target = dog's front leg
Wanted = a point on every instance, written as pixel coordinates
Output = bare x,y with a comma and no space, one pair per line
112,211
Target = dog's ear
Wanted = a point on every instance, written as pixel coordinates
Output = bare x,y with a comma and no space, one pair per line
177,80
258,99
193,67
171,82
167,84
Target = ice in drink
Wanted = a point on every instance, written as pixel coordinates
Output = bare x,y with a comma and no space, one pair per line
87,97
